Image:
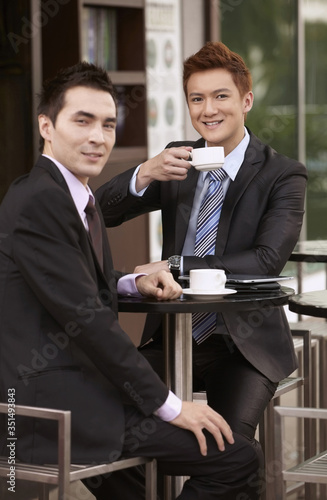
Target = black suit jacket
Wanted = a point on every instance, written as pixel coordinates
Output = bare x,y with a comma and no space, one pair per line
60,342
259,225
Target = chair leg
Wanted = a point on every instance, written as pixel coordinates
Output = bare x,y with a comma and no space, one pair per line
151,480
44,490
266,436
323,401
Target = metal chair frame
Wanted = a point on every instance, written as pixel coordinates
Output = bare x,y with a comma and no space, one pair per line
313,470
306,380
64,473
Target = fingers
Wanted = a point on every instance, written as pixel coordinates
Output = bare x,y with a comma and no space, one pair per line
181,153
202,442
178,160
218,427
160,285
168,288
170,164
219,430
173,164
216,434
196,417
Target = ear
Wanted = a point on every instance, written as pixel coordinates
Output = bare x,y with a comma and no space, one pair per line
45,127
248,102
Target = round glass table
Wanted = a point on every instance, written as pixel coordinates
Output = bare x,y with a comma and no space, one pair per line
177,320
310,303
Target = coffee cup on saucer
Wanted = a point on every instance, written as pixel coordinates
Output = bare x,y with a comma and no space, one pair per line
205,280
209,158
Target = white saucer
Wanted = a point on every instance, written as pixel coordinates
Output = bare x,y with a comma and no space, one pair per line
207,294
208,166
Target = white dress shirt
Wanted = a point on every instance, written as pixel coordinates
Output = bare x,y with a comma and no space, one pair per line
232,164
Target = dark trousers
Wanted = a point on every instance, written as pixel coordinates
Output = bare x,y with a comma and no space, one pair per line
229,475
234,388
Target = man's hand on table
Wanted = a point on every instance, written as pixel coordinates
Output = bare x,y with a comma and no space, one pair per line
195,418
160,285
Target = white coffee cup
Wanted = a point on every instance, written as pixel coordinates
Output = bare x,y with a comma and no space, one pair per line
209,158
207,280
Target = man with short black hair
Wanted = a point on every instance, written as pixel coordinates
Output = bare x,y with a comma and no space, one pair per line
61,343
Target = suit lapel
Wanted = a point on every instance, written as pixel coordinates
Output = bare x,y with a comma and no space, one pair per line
252,163
47,164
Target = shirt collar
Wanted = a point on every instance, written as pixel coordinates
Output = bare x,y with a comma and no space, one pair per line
235,158
78,192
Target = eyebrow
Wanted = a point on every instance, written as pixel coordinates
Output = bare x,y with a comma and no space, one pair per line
86,114
213,92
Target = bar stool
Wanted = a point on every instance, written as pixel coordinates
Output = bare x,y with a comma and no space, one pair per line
318,330
313,470
306,350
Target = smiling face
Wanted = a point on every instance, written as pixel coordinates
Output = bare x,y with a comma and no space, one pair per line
216,108
84,133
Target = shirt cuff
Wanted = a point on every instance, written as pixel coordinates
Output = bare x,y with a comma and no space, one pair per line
127,286
132,184
170,409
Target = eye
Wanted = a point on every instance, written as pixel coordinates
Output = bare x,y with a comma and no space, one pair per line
196,99
221,96
110,126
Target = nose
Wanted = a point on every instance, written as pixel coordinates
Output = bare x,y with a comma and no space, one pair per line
96,134
210,107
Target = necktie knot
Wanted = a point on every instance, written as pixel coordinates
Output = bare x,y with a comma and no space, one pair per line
218,175
90,207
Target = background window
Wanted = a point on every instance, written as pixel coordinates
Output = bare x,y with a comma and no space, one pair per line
266,35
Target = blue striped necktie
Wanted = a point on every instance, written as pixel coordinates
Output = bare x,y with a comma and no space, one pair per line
204,324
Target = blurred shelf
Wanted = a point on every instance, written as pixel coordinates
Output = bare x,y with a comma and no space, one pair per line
128,77
136,4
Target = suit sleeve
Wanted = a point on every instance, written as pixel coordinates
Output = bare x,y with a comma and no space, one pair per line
118,205
50,249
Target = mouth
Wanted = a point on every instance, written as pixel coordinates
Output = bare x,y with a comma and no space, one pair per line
212,124
93,155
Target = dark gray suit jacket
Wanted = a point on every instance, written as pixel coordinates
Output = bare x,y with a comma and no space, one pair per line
60,342
259,225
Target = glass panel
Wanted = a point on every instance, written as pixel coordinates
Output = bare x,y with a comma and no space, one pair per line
264,34
315,18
